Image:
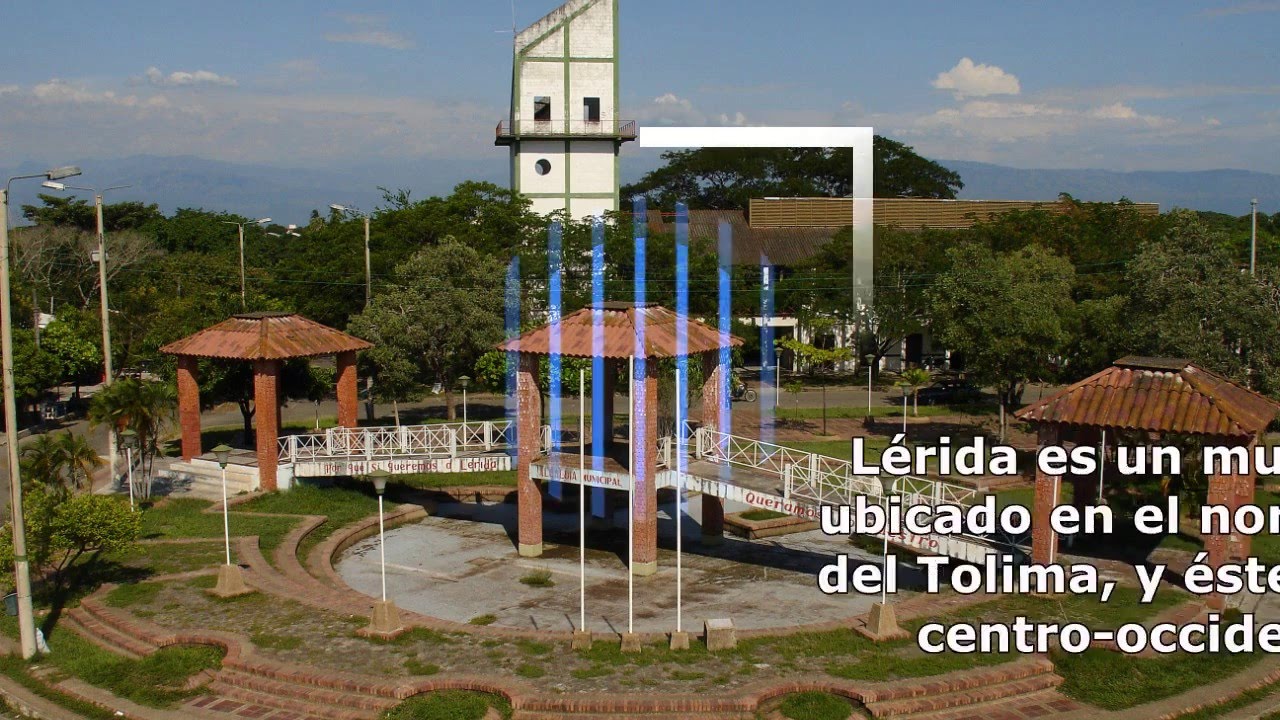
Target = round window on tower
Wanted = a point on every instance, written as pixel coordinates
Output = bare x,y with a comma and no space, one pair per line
542,167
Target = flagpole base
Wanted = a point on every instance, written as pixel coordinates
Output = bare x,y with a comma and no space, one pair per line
680,640
581,640
230,583
631,643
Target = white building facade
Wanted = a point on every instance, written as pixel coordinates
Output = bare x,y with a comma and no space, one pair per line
563,130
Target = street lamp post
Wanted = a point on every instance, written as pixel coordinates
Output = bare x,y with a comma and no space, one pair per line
368,272
240,228
21,566
128,438
871,359
230,579
386,617
883,623
463,382
101,259
904,387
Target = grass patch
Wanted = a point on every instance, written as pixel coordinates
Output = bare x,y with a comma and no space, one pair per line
529,670
1113,681
759,515
815,706
417,667
18,670
1242,700
449,705
485,619
185,518
169,558
268,641
132,594
595,671
532,647
342,504
885,410
431,481
538,578
154,681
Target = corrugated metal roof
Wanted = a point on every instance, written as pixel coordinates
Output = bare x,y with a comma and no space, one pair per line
265,336
1158,395
907,213
619,334
786,246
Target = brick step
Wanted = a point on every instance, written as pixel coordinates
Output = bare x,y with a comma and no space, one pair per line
571,715
305,677
299,706
963,680
93,629
920,706
1045,703
309,693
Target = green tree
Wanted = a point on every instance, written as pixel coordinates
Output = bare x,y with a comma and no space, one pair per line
916,378
77,355
1010,313
1189,298
61,530
79,213
442,310
816,361
727,178
143,406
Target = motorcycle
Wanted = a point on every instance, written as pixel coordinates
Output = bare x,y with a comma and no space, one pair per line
740,391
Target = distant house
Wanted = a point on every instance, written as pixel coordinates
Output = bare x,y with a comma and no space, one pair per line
777,234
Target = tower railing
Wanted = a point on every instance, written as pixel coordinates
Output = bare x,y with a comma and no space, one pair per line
624,129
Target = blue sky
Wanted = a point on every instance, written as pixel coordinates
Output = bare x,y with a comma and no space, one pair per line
1129,86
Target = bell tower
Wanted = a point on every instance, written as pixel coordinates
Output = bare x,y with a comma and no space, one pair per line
563,128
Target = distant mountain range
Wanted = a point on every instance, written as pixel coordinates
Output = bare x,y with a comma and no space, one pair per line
290,194
1227,191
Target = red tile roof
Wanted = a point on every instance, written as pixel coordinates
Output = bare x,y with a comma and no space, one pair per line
1157,395
620,334
265,336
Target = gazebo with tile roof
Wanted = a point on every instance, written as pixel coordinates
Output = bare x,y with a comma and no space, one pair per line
617,332
265,339
1153,397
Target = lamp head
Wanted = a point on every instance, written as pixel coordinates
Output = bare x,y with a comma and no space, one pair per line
62,172
263,221
379,478
53,185
223,453
464,382
339,208
128,438
887,483
869,357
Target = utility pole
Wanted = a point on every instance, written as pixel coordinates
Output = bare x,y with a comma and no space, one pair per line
368,273
1253,237
240,227
21,565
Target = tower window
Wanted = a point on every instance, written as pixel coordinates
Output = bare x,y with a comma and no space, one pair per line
591,109
542,167
542,108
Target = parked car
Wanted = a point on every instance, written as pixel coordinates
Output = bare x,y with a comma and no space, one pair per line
949,392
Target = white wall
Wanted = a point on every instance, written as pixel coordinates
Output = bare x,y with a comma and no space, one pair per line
591,33
531,151
591,169
542,78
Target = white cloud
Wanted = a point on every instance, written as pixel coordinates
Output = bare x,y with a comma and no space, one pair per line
182,78
671,109
6,89
968,79
370,30
1212,122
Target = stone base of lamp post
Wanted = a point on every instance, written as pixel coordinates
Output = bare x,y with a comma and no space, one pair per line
385,624
645,569
530,550
680,640
631,643
230,582
581,640
882,624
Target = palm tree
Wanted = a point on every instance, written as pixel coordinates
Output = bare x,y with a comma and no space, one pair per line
79,459
916,378
42,461
141,406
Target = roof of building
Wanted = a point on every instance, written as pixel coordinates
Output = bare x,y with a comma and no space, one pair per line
619,333
907,213
265,336
787,246
1164,395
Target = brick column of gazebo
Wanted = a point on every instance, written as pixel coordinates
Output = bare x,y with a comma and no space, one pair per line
1044,541
348,394
609,389
189,407
528,494
266,403
1230,491
644,459
715,417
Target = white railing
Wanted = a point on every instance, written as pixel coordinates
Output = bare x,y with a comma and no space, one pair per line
819,479
443,440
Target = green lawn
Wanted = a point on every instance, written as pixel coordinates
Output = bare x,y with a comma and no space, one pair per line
185,518
343,503
1113,681
449,705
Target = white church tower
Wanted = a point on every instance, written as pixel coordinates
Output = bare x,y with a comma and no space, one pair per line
563,130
